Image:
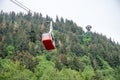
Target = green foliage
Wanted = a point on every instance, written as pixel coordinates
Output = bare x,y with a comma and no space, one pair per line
68,74
88,73
10,50
87,38
106,72
117,72
14,71
86,60
4,62
60,61
44,70
78,55
26,59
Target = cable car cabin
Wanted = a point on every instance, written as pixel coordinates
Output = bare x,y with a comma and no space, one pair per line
48,41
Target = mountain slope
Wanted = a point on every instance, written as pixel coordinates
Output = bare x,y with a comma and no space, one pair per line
20,44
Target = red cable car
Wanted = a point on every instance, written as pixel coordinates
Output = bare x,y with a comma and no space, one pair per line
48,39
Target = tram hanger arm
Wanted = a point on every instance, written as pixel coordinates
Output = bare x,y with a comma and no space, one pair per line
51,27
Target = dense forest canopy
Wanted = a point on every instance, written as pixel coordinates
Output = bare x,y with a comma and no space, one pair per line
79,55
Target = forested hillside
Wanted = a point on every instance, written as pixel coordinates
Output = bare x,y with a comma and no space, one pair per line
24,57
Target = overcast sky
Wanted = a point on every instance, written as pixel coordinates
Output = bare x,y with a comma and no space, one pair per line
102,15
